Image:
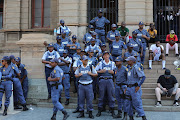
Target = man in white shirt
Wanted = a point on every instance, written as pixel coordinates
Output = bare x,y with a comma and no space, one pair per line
156,53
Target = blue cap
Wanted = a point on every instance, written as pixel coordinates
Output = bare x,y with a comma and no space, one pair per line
61,21
118,59
90,50
54,60
91,26
131,58
5,58
136,54
18,59
74,37
78,47
130,45
58,38
94,33
12,57
93,39
135,32
51,45
65,51
105,52
63,32
84,57
103,44
117,34
100,11
141,23
113,25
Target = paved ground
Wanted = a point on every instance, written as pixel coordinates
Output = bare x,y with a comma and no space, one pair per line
45,114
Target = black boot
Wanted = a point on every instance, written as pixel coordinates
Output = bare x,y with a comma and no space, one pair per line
5,111
104,108
125,116
91,115
131,118
119,115
112,113
65,115
144,118
77,110
81,114
25,108
53,117
16,106
67,102
99,112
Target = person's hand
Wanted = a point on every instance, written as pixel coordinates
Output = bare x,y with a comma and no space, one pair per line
144,36
141,54
80,74
136,89
103,71
125,91
89,73
174,92
164,89
49,78
110,71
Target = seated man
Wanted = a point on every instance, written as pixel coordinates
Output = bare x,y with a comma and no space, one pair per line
156,53
172,45
167,85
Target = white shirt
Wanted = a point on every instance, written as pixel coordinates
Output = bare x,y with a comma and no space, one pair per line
58,30
67,59
99,65
157,51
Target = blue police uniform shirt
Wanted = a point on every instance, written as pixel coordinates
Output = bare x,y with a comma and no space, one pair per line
117,47
128,54
87,37
111,35
66,68
107,66
121,75
76,57
50,55
7,73
99,22
92,60
22,70
85,78
65,41
73,51
137,44
15,68
134,74
140,33
59,48
56,73
98,42
94,48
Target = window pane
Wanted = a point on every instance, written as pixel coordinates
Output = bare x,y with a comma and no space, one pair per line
47,4
1,20
37,15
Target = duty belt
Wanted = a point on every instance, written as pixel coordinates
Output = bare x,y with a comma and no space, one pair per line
67,73
120,84
56,84
99,28
85,84
132,85
106,78
5,80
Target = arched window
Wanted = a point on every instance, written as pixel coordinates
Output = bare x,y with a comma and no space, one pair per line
1,13
41,13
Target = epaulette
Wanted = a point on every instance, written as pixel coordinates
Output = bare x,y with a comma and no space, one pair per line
54,71
126,69
12,67
124,43
140,40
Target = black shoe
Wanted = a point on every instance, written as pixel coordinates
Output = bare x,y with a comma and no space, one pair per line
5,111
125,116
104,109
81,114
144,118
177,55
131,118
112,113
166,54
119,115
25,108
17,107
67,102
65,115
99,113
91,115
77,110
49,96
53,117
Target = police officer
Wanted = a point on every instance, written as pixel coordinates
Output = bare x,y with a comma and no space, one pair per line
72,46
111,35
100,23
23,76
105,69
137,43
130,51
143,35
76,56
117,46
48,55
120,86
135,78
84,73
87,37
6,74
65,65
55,80
63,27
93,47
98,42
64,39
138,60
59,47
18,92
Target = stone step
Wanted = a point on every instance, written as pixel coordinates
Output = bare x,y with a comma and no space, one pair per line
152,102
148,90
149,85
168,62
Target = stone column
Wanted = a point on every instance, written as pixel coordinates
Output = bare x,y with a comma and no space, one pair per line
32,50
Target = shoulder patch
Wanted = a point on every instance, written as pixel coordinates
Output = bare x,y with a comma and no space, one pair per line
12,67
126,69
54,71
124,43
141,64
139,69
16,65
24,67
0,66
140,40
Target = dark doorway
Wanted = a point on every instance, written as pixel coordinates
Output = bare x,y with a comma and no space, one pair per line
1,13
